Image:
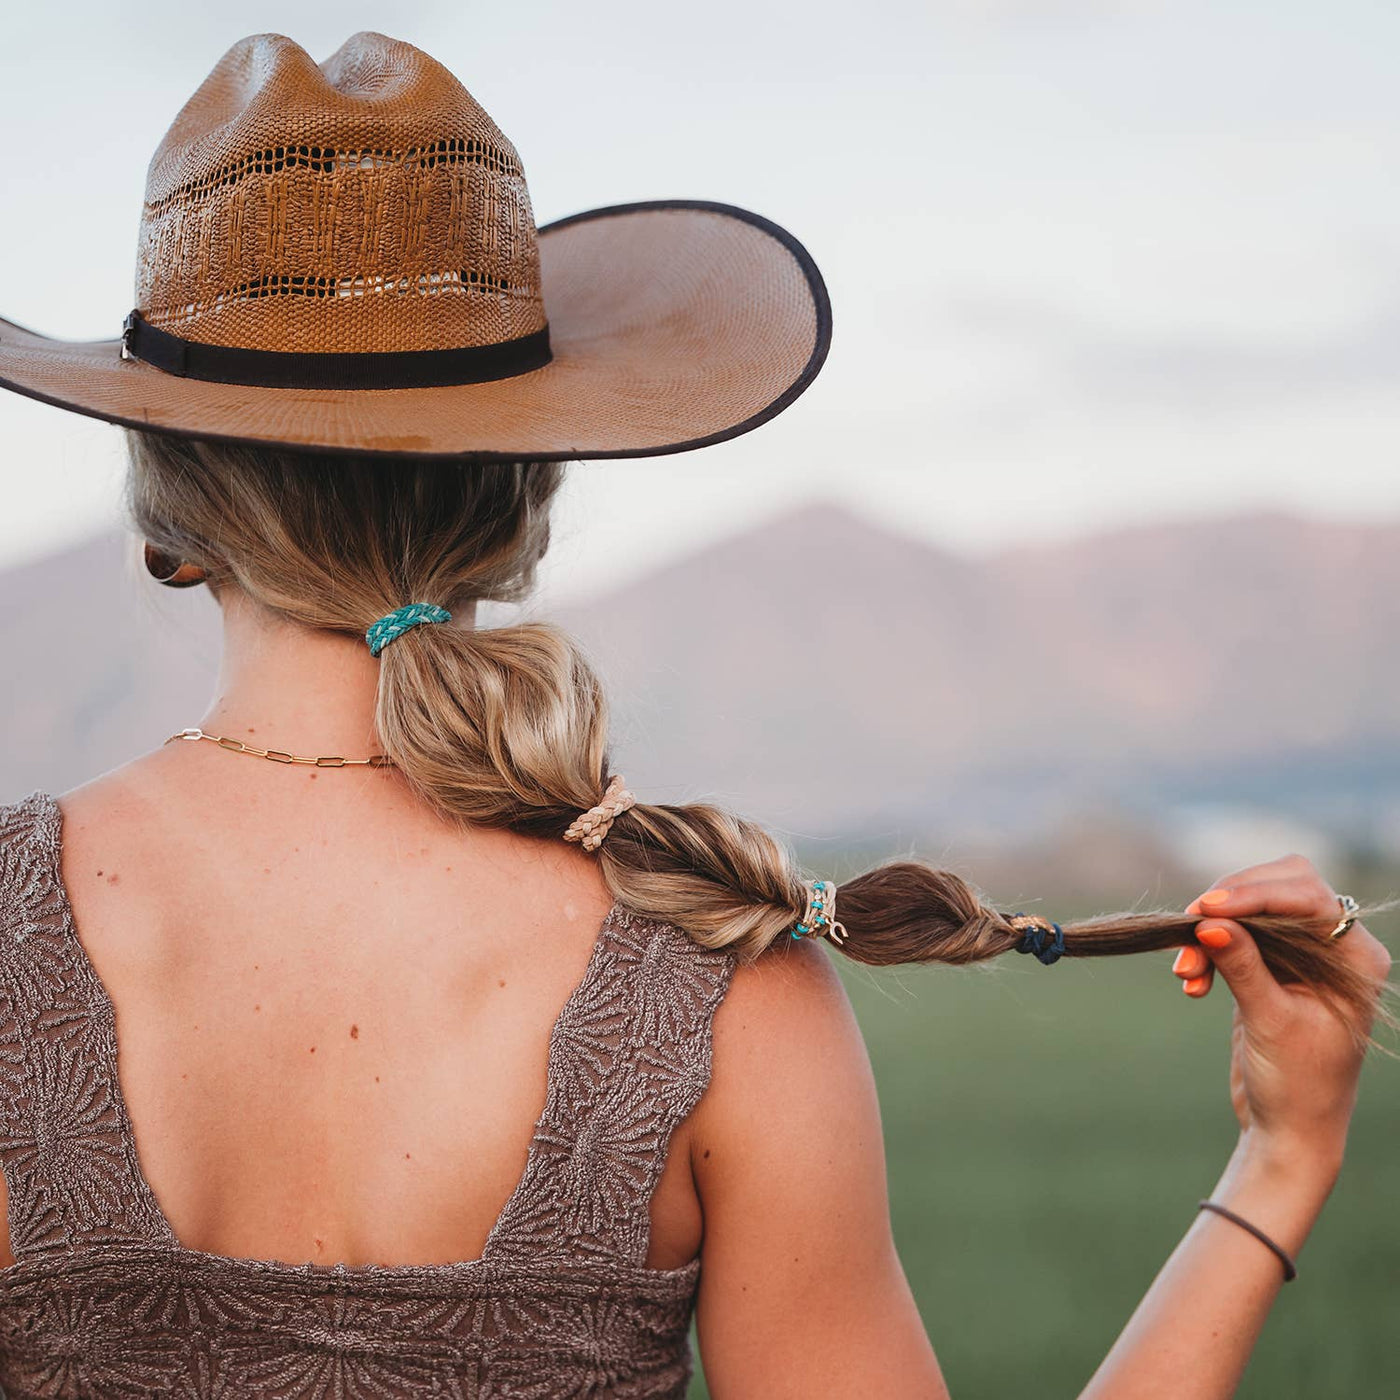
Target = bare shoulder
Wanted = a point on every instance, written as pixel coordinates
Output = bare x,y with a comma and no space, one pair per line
787,1051
111,789
130,798
113,812
787,1010
127,839
140,822
789,1164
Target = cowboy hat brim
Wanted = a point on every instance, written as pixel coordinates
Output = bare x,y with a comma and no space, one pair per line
674,324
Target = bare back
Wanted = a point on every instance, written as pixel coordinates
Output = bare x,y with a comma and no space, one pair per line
333,1009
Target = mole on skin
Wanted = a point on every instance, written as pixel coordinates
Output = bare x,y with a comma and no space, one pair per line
354,1032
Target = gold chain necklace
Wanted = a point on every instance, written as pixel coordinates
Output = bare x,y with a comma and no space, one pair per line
377,760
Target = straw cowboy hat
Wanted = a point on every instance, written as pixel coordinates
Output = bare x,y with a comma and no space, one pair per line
343,256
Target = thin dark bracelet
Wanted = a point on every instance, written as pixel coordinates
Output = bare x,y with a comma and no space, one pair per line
1290,1269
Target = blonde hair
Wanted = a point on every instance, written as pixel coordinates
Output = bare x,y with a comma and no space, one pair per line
508,726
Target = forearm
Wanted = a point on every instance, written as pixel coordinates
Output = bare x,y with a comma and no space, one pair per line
1193,1332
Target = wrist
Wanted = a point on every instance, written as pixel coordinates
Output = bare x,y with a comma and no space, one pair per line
1278,1185
1307,1162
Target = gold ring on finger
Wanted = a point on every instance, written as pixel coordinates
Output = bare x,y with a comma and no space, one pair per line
1349,909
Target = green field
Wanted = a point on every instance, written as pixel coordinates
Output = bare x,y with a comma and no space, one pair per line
1049,1132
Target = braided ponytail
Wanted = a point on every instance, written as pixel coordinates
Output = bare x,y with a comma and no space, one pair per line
521,743
507,727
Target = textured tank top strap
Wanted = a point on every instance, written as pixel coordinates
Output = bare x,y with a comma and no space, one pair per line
629,1058
66,1144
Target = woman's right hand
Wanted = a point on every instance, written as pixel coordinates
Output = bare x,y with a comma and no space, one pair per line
1295,1063
1293,1074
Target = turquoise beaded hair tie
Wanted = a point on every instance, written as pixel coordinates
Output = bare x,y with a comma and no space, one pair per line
385,629
819,919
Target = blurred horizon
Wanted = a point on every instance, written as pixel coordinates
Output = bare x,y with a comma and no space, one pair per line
1120,713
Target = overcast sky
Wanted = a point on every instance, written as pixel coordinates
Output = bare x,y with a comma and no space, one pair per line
1091,261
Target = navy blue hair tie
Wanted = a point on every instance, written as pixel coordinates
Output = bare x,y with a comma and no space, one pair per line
1036,937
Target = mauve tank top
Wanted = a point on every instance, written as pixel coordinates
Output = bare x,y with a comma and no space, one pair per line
102,1300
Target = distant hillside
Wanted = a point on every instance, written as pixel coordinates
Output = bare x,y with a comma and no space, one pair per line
99,664
844,681
1255,655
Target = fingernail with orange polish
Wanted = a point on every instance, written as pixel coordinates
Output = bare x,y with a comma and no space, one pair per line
1215,897
1196,986
1188,963
1213,936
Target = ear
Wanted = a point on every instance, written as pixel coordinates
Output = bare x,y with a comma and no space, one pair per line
171,572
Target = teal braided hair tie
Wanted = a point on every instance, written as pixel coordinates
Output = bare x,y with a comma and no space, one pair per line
384,630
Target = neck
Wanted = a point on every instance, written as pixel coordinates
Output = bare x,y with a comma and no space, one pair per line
299,689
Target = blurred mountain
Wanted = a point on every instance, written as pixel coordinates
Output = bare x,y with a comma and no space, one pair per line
99,664
841,678
843,681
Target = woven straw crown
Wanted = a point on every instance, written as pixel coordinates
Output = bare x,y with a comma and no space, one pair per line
364,204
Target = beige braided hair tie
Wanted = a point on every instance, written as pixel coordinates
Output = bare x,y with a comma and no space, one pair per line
591,826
